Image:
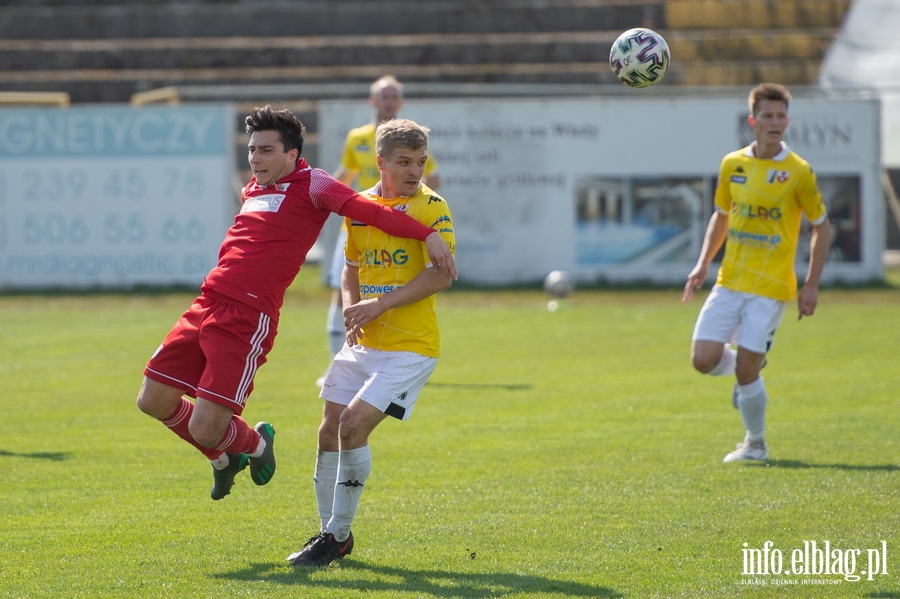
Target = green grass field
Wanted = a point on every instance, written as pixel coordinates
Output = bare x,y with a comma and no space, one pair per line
552,455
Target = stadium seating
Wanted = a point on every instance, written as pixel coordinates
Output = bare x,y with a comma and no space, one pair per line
101,51
107,51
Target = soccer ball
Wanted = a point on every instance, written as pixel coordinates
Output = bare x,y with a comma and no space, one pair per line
558,284
639,57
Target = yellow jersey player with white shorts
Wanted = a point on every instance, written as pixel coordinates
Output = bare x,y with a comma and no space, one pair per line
359,168
762,194
388,288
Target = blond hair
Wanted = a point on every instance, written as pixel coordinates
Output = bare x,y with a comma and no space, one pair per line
400,133
386,81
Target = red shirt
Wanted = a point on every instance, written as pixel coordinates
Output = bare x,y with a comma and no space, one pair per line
278,224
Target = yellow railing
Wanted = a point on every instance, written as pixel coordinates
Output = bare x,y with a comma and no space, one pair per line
61,99
162,95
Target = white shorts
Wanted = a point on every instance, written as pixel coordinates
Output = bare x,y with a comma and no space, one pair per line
337,260
746,319
388,380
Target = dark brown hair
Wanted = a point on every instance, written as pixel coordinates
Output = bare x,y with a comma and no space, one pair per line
290,129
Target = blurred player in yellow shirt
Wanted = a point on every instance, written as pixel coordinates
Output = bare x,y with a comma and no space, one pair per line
389,287
762,194
358,160
359,170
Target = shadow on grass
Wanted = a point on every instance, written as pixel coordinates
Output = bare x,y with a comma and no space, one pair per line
884,595
56,456
480,386
800,464
428,583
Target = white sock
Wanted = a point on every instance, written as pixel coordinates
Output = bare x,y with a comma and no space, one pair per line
260,448
726,365
752,402
354,467
324,480
221,462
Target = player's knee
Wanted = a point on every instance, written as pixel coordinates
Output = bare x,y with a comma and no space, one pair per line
703,363
746,374
142,402
351,435
153,403
328,432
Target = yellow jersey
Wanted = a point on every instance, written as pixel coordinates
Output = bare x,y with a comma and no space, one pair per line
359,155
386,263
765,201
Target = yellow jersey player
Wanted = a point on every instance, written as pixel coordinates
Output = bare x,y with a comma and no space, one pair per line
358,167
763,191
388,288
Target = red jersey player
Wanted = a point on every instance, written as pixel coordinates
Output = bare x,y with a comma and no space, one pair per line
215,348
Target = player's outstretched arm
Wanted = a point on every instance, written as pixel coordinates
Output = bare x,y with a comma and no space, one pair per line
329,193
399,224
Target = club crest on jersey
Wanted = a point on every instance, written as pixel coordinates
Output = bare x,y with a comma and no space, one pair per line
270,202
780,176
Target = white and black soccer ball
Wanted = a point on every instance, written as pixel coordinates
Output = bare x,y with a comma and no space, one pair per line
558,284
639,57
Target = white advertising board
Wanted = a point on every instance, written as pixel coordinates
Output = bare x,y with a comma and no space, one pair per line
890,126
113,197
620,188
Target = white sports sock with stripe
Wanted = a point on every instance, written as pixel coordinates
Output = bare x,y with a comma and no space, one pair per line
353,470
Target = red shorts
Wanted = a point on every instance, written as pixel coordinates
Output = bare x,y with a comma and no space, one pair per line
214,351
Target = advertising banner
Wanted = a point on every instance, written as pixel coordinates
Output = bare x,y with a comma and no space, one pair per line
620,189
113,197
890,126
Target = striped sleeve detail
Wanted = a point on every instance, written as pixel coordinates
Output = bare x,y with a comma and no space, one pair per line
326,192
